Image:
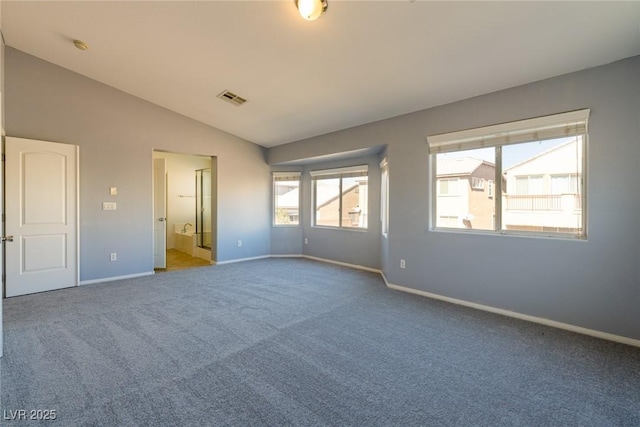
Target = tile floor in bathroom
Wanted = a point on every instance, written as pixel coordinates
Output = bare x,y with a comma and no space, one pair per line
177,260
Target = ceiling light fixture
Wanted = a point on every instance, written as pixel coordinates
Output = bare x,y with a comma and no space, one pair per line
80,45
311,9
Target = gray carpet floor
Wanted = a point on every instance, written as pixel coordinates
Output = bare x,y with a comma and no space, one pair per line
297,342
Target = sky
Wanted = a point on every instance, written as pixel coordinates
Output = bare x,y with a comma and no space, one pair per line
511,154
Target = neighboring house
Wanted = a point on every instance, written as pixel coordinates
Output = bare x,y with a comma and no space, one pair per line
543,192
288,202
354,199
465,190
354,205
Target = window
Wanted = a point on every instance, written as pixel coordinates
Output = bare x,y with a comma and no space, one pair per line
340,197
529,184
534,172
564,184
448,187
448,221
286,198
384,196
477,183
460,201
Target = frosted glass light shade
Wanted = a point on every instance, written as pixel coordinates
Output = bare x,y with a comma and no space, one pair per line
311,9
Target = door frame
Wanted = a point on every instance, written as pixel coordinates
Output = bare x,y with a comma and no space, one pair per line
213,159
155,202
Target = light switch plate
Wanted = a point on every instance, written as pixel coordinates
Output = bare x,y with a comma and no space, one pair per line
113,191
108,206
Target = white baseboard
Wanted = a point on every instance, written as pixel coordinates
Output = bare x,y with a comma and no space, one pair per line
232,261
114,278
344,264
516,315
329,261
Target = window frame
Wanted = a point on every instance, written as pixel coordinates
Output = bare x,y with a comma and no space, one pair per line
341,174
384,197
285,176
573,123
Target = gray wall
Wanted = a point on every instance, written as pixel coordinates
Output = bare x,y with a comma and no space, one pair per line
593,284
286,240
357,247
117,134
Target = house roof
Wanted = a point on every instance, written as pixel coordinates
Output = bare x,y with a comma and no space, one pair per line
544,153
289,199
326,195
459,166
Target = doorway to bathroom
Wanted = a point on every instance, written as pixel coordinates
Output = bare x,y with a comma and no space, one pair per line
184,210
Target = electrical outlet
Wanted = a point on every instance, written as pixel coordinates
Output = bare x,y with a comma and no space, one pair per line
306,241
114,256
402,264
239,243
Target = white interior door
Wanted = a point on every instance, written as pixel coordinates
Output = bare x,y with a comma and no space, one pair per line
41,193
159,213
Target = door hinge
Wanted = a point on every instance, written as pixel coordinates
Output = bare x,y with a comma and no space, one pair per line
3,158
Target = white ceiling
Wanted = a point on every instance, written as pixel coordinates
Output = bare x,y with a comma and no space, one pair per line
360,62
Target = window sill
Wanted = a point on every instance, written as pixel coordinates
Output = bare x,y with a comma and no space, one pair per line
559,236
326,227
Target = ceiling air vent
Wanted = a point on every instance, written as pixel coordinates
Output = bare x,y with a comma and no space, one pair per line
232,98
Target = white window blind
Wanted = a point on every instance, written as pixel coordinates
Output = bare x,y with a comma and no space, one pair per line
347,172
286,176
537,129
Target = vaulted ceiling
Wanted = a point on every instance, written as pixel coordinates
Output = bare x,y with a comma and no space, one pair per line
362,61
